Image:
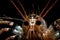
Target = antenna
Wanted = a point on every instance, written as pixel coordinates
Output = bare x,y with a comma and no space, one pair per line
33,8
44,8
18,10
49,8
38,9
22,8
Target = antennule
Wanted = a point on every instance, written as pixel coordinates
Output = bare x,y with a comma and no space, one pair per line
44,8
50,8
22,8
18,9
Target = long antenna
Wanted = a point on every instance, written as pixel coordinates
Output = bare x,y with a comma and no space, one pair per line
22,8
50,8
33,8
38,9
18,10
11,18
44,8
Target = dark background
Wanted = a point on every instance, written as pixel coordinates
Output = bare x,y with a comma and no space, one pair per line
7,9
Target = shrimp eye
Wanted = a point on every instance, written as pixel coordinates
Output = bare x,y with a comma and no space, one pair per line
26,23
38,22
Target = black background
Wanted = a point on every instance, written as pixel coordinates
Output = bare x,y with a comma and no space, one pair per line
7,9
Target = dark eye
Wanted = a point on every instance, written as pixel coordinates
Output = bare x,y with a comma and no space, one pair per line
26,23
38,22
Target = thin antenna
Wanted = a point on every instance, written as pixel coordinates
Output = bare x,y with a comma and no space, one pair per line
22,8
33,8
36,12
11,18
49,8
44,8
18,9
38,9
